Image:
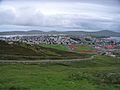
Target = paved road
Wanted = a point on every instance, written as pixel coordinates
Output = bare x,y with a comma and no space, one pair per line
43,61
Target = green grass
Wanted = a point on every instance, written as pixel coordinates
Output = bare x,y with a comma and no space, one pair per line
82,48
56,46
64,76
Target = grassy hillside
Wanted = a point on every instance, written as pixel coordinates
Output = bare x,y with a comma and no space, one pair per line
56,46
25,51
103,73
84,48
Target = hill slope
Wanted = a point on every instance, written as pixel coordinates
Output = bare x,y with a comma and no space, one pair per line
103,73
26,51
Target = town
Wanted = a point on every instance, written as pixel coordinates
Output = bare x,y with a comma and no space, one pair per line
101,45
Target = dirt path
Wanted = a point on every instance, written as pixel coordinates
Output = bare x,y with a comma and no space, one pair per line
44,61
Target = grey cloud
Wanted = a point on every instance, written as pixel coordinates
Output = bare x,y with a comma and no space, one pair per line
26,18
104,2
7,16
92,1
91,14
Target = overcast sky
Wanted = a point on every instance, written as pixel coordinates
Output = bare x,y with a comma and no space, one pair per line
87,15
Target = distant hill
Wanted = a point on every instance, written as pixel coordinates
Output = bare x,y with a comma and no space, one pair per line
98,33
74,33
22,32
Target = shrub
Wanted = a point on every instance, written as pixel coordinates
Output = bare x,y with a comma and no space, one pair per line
108,78
97,78
78,76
